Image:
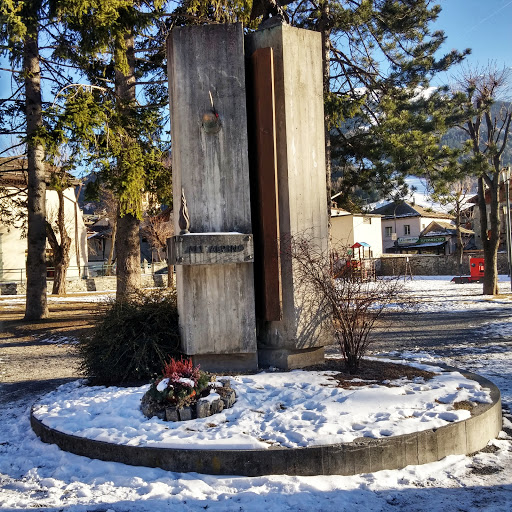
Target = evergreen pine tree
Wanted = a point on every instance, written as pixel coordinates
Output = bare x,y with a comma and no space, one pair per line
22,114
384,120
124,137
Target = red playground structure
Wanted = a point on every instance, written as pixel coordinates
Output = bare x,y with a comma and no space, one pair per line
476,270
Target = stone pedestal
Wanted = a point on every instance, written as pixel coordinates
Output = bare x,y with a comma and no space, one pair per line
210,164
297,339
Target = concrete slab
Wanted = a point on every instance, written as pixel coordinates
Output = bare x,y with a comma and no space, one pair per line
290,359
451,440
427,446
214,272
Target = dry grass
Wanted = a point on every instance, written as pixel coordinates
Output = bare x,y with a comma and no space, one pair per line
29,357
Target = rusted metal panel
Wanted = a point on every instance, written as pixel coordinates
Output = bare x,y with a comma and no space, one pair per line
267,244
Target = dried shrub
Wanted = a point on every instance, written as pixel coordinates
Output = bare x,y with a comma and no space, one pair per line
132,338
353,303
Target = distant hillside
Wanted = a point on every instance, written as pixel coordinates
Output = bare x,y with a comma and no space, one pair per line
456,137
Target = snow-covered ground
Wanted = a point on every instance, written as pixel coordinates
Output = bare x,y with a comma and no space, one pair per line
102,296
36,475
440,294
290,409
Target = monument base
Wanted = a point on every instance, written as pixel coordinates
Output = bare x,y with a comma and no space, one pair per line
247,362
290,359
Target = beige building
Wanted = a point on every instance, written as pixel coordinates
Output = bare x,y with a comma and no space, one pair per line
13,241
348,229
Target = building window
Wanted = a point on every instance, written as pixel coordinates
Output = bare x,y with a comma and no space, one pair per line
388,231
407,229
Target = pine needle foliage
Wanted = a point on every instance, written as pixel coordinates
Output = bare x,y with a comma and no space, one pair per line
384,119
133,339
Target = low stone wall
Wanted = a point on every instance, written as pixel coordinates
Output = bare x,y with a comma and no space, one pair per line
429,264
87,285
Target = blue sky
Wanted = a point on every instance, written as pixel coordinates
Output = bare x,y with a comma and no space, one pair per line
485,26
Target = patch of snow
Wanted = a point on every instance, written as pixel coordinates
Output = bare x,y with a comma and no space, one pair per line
38,475
211,397
290,409
59,340
187,382
162,385
438,293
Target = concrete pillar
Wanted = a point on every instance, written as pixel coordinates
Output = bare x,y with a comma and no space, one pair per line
298,338
210,164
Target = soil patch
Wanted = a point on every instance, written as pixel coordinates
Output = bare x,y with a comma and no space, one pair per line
44,351
371,372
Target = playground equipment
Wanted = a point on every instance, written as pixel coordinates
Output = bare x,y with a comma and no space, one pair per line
476,271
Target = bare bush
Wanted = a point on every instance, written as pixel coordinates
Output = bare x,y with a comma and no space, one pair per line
355,304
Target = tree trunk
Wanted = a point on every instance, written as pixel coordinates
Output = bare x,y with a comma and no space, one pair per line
60,249
61,268
128,225
494,240
112,246
128,256
460,246
36,299
490,234
77,235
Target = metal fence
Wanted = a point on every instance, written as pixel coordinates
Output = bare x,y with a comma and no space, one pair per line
93,269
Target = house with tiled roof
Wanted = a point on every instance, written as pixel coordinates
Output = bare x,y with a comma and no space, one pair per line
402,225
13,240
449,231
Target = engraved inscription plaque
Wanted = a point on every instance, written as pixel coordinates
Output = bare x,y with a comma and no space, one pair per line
211,249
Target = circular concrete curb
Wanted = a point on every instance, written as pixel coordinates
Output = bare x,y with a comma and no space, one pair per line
364,455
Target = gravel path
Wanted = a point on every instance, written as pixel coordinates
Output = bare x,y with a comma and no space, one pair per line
434,331
37,357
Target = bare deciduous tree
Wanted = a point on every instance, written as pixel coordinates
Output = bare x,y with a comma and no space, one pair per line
111,206
354,305
487,133
157,229
60,242
455,196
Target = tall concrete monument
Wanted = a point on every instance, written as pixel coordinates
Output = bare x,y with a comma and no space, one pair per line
214,255
294,336
219,243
